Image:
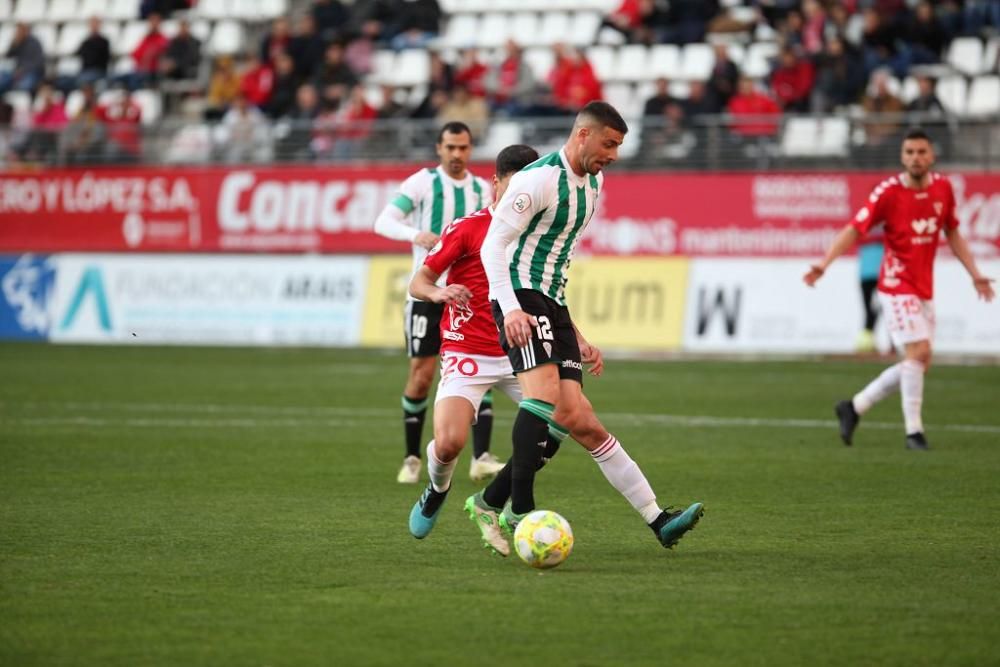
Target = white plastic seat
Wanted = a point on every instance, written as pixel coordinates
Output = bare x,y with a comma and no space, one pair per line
583,31
815,137
953,93
493,30
74,102
123,65
632,63
70,38
412,67
122,10
524,28
215,10
555,28
45,33
697,61
30,11
151,104
202,30
623,98
245,10
226,39
910,90
6,37
602,59
63,10
68,66
966,55
991,56
270,9
541,60
129,38
383,66
461,31
665,61
91,8
984,96
6,9
19,100
757,63
499,135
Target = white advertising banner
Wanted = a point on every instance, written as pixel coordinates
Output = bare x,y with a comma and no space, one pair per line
762,305
203,299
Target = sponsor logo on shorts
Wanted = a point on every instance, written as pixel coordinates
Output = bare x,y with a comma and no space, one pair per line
451,335
569,363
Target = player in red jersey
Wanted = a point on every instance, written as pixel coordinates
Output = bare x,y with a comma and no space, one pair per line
913,208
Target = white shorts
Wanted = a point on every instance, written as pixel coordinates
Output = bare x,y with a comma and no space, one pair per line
909,318
470,376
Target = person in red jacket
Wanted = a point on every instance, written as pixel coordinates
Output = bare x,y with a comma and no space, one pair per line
147,54
792,81
257,82
573,80
746,107
121,118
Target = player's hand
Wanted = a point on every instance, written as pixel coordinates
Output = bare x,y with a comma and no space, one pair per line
452,294
815,273
591,354
517,326
425,239
984,288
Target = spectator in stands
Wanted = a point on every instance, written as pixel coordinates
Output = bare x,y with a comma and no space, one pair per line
640,20
257,82
439,85
323,138
47,122
510,85
662,116
879,44
790,30
94,53
391,107
334,70
355,119
465,107
839,76
183,54
373,18
977,15
7,153
121,117
192,143
687,20
471,73
883,123
624,19
792,81
661,98
417,23
724,76
242,135
573,80
751,110
359,54
147,55
307,47
295,145
925,35
331,19
286,85
926,102
223,87
29,62
83,139
276,40
813,26
700,102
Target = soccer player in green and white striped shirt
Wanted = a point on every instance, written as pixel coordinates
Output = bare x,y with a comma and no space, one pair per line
427,202
527,253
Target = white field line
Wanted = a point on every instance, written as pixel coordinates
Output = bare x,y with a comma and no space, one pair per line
262,416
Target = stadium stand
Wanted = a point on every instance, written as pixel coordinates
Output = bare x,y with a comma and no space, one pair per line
574,50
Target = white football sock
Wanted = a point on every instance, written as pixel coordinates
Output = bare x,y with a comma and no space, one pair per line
912,389
625,475
886,383
439,472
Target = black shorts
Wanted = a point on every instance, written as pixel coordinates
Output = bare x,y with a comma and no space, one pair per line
552,341
422,328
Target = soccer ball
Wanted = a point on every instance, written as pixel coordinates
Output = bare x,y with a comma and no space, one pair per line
543,539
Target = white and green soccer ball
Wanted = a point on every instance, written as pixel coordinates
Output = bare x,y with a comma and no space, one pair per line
543,539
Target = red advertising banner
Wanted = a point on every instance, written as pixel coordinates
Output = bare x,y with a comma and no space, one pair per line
332,210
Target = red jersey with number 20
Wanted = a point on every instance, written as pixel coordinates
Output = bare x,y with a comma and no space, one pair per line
469,329
912,221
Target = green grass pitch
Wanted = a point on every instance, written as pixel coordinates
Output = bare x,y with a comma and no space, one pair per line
169,506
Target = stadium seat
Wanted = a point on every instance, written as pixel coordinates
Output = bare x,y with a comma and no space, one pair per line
966,55
63,10
123,65
30,11
493,30
524,28
68,66
632,63
815,137
6,37
499,135
909,90
680,89
583,31
215,10
461,31
131,35
202,30
602,59
984,96
245,10
6,9
122,10
555,28
45,33
90,8
952,91
757,63
227,38
991,56
70,37
270,9
622,97
665,61
74,102
383,66
151,104
412,68
697,61
541,61
19,100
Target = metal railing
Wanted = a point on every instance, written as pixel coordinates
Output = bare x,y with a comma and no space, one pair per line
709,143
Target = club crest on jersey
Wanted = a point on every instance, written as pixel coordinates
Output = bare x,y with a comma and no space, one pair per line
522,202
924,225
548,349
459,316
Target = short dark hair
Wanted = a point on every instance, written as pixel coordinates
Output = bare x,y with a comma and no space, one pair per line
454,127
604,114
514,158
917,133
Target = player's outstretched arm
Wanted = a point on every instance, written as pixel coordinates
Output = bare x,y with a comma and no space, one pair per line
423,286
843,242
960,248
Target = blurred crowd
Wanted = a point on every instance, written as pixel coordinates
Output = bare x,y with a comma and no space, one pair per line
299,93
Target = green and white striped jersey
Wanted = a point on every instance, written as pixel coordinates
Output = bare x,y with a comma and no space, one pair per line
431,200
551,206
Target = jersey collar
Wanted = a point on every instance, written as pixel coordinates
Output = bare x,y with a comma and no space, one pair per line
577,180
465,181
